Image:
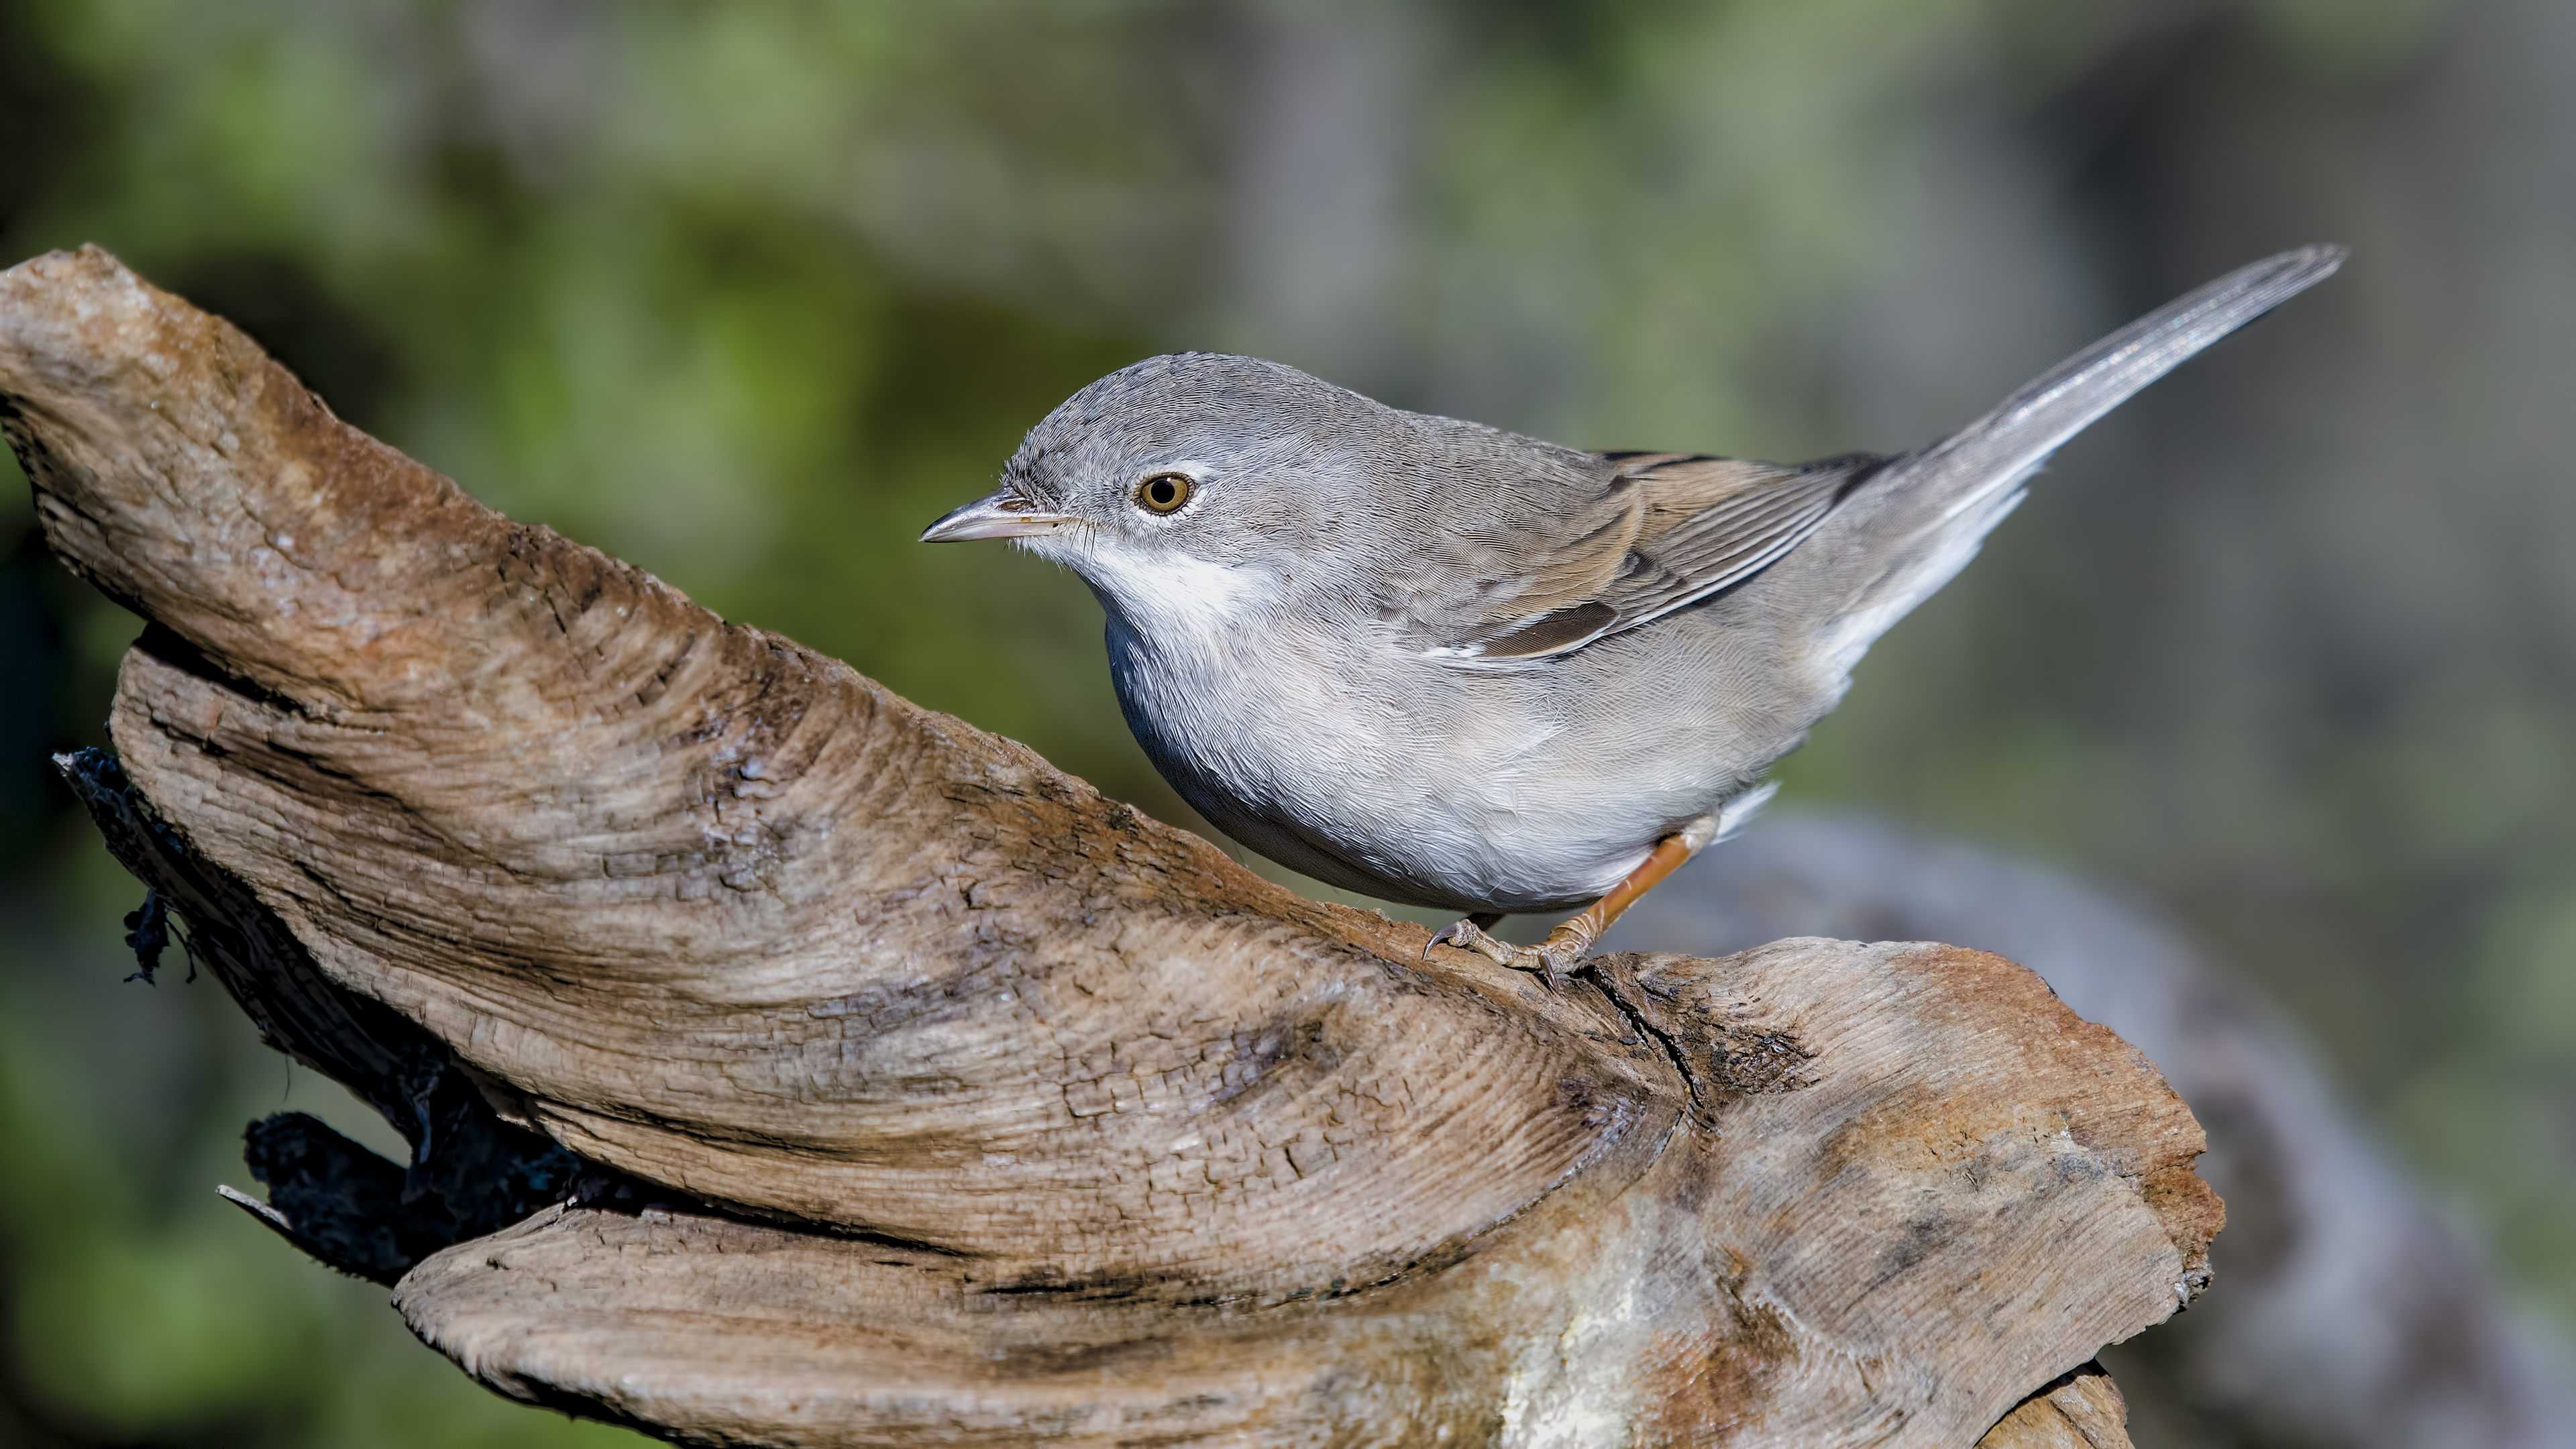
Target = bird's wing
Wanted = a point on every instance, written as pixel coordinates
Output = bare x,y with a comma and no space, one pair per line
1665,529
1713,522
1687,527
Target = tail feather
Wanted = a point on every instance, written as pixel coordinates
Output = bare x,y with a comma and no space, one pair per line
1916,522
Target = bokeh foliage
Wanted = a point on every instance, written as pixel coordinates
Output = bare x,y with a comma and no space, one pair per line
749,293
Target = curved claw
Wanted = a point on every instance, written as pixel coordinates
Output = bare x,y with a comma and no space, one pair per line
1453,934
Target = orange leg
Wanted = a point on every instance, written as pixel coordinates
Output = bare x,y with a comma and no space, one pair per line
1561,954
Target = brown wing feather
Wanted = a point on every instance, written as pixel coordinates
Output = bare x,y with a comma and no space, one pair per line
1512,585
1700,524
1592,556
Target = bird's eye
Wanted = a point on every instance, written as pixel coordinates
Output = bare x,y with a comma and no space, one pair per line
1163,493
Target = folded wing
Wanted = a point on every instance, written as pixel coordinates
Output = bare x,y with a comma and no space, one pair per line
1694,525
1665,530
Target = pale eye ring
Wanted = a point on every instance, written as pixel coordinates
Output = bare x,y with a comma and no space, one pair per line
1164,492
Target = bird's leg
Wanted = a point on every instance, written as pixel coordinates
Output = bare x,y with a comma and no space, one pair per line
1561,954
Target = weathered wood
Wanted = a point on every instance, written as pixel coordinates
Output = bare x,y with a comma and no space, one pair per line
470,1172
2300,1347
986,1109
2083,1410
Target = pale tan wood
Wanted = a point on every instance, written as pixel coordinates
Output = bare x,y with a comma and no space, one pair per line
1010,1115
2080,1411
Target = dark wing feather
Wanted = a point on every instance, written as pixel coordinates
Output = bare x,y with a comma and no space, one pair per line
1703,524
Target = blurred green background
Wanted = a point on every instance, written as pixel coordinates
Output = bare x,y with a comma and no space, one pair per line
748,294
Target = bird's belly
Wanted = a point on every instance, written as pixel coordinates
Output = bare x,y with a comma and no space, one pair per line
1441,789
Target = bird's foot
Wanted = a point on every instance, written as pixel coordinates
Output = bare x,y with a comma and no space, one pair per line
1561,954
1552,960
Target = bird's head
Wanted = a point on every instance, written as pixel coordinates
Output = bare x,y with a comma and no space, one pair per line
1203,485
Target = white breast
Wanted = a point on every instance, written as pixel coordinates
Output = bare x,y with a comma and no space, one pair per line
1369,768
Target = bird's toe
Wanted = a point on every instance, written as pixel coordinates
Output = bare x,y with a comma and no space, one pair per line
1551,961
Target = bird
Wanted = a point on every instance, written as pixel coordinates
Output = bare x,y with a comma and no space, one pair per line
1450,666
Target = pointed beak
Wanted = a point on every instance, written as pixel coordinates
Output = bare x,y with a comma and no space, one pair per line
1002,513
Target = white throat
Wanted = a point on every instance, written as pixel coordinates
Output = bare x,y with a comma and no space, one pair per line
1173,591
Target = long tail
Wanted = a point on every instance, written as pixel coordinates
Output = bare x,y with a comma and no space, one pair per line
1918,520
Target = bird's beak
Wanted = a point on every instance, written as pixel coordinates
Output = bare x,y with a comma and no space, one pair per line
1002,513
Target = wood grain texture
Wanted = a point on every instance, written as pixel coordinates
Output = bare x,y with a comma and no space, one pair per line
990,1111
2082,1410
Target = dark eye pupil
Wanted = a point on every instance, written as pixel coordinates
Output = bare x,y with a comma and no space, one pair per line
1165,492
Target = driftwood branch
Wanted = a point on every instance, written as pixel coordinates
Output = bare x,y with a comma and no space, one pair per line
2353,1314
846,1075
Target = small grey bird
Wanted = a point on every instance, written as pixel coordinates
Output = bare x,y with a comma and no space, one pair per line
1450,666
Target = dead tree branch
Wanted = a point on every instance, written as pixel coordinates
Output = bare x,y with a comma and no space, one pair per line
917,1094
